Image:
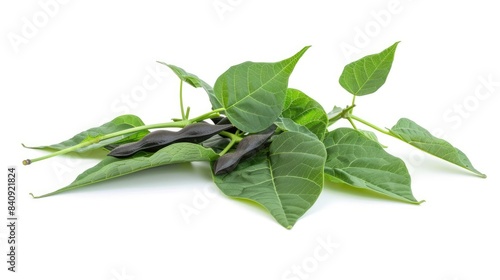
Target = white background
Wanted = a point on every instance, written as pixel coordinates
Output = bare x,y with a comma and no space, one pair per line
84,62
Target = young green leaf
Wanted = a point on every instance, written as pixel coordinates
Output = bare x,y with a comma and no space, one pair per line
253,93
334,115
194,81
286,180
287,124
111,167
368,74
117,124
305,111
419,137
360,162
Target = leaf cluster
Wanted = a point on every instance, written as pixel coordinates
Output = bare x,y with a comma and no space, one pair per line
270,144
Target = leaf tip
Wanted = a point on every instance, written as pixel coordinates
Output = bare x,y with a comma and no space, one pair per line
33,196
301,52
394,46
288,227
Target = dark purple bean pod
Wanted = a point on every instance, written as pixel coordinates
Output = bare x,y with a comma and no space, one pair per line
225,120
193,133
247,147
216,120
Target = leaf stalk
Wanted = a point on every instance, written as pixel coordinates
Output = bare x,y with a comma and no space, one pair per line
384,131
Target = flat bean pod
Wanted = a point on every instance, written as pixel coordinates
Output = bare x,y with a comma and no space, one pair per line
194,133
246,148
224,120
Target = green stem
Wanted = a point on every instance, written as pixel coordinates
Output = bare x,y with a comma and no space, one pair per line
345,112
228,147
211,114
182,102
352,123
179,124
353,100
231,136
234,139
384,131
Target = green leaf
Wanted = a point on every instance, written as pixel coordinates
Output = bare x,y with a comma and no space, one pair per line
117,124
335,112
368,74
419,137
360,162
305,111
286,179
287,124
253,93
112,167
334,115
372,136
194,81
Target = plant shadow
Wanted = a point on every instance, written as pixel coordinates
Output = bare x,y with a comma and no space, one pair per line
174,176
